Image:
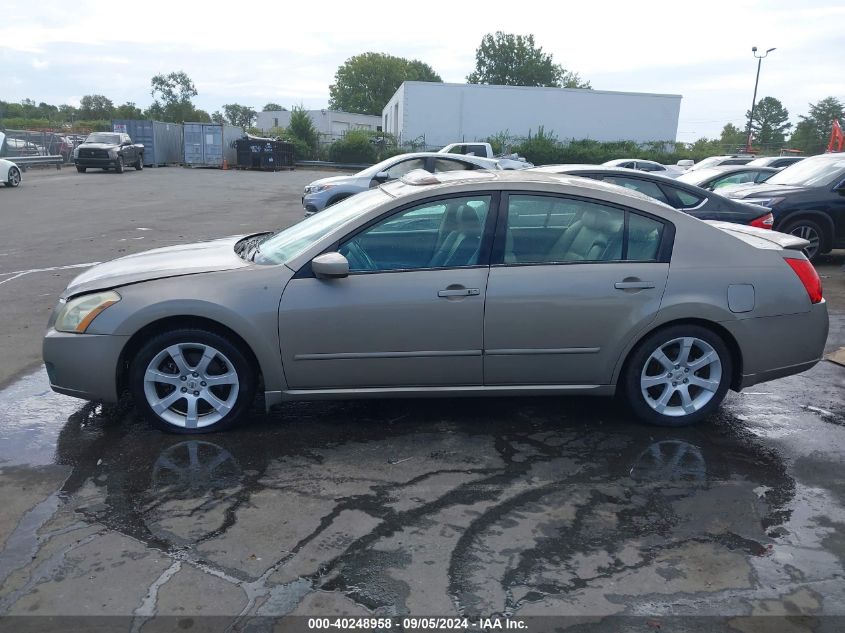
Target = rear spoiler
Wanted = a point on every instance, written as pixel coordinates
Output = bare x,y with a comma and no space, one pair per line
773,238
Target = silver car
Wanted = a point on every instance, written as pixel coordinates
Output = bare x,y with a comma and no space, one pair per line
464,284
325,192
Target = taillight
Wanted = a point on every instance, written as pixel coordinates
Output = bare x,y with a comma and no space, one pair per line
808,276
763,222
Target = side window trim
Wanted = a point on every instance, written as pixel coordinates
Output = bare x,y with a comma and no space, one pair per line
497,254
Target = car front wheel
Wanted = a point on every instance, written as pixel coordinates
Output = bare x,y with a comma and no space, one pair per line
118,166
139,164
191,381
678,375
13,178
81,169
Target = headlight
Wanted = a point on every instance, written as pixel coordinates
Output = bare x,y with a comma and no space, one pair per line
318,188
76,314
763,202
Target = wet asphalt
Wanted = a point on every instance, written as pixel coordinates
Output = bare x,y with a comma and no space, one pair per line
517,507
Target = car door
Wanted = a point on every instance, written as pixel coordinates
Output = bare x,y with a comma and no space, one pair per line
410,313
565,297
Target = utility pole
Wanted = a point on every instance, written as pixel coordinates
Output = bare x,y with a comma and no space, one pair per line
754,98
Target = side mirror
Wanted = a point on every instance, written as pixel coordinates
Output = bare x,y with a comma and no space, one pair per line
382,176
330,266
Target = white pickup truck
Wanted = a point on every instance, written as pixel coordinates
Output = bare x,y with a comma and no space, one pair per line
485,150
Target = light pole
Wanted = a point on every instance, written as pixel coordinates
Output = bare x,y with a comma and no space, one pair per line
754,98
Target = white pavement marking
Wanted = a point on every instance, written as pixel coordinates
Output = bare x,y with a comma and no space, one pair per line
20,273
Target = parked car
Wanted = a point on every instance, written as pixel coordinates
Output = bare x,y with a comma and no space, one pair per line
807,199
108,150
713,178
692,200
325,192
485,150
778,162
466,283
718,161
671,171
10,174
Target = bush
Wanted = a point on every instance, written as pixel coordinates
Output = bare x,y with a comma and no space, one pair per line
355,147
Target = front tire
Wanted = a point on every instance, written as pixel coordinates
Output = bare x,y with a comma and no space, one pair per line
139,164
191,381
81,169
677,376
13,178
118,166
810,231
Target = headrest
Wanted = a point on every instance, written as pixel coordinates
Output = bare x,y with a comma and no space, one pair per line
600,220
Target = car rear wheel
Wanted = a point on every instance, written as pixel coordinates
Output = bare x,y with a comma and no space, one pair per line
13,178
678,375
810,231
191,381
118,166
81,170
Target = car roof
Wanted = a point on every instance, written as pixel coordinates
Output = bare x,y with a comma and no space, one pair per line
418,181
602,169
723,170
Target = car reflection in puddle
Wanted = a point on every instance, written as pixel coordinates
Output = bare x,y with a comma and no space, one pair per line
470,506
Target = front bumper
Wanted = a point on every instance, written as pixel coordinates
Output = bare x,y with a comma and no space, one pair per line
83,365
95,162
314,202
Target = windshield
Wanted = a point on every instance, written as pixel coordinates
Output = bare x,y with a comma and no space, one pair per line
281,247
382,166
707,162
112,139
811,172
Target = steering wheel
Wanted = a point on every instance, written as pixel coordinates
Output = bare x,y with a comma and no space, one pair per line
359,259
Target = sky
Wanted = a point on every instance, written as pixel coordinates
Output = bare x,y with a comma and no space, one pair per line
288,52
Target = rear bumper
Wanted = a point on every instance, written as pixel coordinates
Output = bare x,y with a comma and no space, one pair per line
83,365
774,347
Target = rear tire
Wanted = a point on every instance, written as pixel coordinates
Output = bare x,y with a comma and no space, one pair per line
677,376
81,170
809,230
191,381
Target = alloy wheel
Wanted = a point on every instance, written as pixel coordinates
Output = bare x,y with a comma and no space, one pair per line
14,177
191,385
681,376
809,233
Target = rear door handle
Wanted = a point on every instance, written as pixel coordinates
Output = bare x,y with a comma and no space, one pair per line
459,292
637,285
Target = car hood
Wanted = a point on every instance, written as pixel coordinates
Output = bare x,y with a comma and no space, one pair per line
98,146
170,261
762,190
334,180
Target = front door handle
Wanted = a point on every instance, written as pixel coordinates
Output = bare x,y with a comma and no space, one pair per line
459,292
633,285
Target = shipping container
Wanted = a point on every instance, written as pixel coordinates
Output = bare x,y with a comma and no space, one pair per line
208,144
162,141
264,153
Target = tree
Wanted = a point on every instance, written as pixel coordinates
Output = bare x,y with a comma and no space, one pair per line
364,83
218,117
239,115
128,111
732,138
506,59
172,94
770,122
812,132
273,107
93,107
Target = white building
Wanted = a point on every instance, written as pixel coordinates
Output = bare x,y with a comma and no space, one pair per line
442,113
331,124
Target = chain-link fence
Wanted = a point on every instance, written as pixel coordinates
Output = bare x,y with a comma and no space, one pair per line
26,143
